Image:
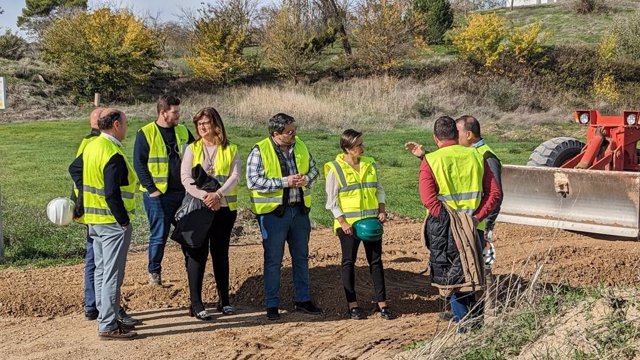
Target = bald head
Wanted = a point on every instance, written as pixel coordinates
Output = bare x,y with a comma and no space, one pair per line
95,115
107,110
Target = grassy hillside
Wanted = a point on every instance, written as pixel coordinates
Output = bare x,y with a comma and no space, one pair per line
565,25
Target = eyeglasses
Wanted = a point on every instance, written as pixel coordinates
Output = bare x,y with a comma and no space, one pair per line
205,123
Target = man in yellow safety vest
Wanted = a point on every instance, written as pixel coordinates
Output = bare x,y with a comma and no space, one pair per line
280,172
157,155
108,187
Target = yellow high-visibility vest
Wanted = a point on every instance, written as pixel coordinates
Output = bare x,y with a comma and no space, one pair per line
158,163
483,150
357,190
95,157
266,202
221,167
76,191
458,171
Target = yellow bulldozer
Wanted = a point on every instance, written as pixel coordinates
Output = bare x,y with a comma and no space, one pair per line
591,187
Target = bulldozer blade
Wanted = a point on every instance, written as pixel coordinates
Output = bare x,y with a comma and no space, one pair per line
592,201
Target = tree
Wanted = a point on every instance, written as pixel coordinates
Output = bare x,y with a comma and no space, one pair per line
106,51
383,34
12,46
37,15
285,38
437,17
335,19
219,38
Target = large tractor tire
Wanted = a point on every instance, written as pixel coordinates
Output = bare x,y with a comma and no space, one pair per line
555,152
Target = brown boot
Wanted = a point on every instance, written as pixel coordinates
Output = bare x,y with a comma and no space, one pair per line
118,334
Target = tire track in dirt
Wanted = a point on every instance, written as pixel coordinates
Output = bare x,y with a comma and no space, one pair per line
40,309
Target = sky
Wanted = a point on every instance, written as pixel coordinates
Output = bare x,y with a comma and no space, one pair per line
169,10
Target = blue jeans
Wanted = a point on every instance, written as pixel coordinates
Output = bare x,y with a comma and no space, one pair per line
161,211
89,270
293,227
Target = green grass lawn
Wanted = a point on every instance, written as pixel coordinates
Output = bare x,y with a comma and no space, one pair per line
35,157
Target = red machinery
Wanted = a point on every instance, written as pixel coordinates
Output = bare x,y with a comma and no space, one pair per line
611,142
569,185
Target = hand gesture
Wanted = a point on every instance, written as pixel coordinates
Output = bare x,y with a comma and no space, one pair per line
415,148
347,228
211,200
297,180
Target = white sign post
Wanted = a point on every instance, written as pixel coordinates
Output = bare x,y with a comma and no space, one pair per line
2,97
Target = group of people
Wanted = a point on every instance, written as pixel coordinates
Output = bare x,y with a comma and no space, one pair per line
280,171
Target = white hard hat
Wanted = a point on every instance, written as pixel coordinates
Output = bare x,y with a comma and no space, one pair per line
60,210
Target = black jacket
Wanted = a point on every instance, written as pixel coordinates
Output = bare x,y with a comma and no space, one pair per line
193,218
444,259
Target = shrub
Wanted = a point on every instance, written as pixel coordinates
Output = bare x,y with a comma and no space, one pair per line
103,51
626,30
504,95
571,68
284,39
488,41
526,44
423,107
483,40
220,35
383,34
588,6
12,46
604,85
437,16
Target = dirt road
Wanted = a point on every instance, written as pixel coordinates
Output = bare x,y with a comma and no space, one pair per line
41,309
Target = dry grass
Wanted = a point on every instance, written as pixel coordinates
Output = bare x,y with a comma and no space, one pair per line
538,320
377,103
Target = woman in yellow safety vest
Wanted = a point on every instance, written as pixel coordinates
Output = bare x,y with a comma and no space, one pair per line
354,193
219,158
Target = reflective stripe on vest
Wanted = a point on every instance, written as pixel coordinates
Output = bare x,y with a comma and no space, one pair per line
76,191
95,157
458,171
221,167
357,190
266,202
158,163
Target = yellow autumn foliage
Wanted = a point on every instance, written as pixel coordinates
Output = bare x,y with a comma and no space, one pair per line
217,44
483,40
525,42
102,51
486,39
605,87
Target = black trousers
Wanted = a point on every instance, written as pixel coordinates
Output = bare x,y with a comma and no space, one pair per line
196,259
373,250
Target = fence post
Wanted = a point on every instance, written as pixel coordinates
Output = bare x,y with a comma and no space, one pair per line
96,99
